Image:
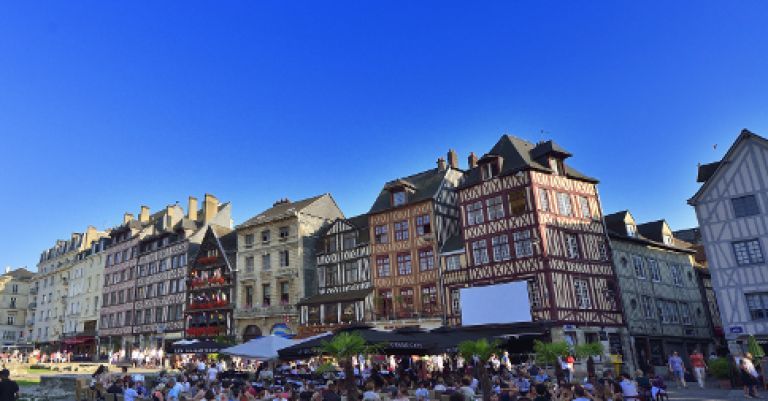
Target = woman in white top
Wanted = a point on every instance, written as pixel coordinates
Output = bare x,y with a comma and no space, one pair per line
628,388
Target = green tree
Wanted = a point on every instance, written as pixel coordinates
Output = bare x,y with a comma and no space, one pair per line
343,346
589,351
547,353
481,349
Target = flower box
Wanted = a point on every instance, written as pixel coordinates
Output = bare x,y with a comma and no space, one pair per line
207,260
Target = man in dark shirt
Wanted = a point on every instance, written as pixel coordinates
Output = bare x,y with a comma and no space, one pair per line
330,394
116,387
9,390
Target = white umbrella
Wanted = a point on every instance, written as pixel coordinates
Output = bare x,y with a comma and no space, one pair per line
264,348
184,342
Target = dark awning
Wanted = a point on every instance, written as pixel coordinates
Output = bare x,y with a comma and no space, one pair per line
392,343
199,347
347,296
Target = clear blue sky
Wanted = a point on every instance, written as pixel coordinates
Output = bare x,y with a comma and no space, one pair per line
105,106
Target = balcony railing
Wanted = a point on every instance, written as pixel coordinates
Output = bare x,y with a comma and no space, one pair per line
33,291
265,311
32,305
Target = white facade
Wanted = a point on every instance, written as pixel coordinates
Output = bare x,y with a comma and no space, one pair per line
732,209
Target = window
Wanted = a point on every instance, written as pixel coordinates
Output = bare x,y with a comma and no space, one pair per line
495,208
518,204
748,252
403,264
265,261
667,239
582,294
677,275
398,198
249,264
647,304
500,247
147,316
631,230
15,288
385,302
584,205
423,226
523,243
401,230
266,293
480,252
745,206
453,262
564,204
381,234
429,299
11,320
426,259
685,313
284,260
544,200
533,294
474,213
653,266
572,246
284,293
556,165
349,240
332,275
489,170
758,305
671,311
637,263
602,250
406,299
248,240
455,301
284,231
159,314
382,266
249,296
351,272
265,236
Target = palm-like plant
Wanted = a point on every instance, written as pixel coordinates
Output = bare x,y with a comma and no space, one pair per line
589,351
343,346
547,353
481,349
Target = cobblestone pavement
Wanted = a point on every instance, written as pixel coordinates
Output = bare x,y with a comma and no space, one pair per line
711,393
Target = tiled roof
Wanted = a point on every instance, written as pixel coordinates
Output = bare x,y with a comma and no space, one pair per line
423,185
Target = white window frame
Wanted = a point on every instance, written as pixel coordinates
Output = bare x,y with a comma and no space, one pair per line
500,245
523,243
581,289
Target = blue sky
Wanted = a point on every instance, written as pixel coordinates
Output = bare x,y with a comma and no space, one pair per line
105,106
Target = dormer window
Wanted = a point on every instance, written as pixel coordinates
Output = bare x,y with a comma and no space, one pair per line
667,239
631,231
557,166
490,169
398,198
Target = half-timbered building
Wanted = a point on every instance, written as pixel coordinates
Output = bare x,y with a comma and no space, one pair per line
732,210
527,215
660,292
344,295
210,286
409,222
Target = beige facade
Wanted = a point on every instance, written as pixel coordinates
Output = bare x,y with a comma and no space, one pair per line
276,264
84,291
14,301
52,285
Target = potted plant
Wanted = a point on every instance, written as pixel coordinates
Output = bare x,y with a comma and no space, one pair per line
589,351
482,349
721,369
547,354
343,346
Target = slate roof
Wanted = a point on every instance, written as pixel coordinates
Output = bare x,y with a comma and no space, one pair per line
453,244
615,222
20,273
361,223
279,210
652,230
617,229
424,185
521,155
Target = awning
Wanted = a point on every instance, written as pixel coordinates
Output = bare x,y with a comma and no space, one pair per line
392,343
197,347
347,296
78,340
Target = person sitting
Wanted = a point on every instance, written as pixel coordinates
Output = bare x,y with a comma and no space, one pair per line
130,393
628,388
370,393
658,387
466,390
542,393
440,386
116,387
541,376
581,394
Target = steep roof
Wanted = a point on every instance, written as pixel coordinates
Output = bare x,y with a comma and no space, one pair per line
707,172
424,185
616,222
453,244
20,273
617,230
652,230
280,209
521,155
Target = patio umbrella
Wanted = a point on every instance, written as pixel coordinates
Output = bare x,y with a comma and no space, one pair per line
199,347
264,348
392,344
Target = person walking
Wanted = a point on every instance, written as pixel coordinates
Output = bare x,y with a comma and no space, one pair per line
9,389
699,366
749,376
677,369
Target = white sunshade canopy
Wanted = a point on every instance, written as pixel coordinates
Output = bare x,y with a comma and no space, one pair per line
264,348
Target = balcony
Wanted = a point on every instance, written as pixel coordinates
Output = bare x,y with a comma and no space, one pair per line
30,322
33,291
264,311
287,272
32,305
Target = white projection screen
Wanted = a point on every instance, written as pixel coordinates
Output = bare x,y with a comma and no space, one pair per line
500,303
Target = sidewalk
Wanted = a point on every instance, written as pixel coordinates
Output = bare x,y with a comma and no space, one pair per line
712,393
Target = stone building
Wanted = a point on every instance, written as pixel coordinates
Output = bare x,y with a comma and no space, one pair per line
344,295
529,217
410,221
276,264
52,285
15,298
732,210
660,292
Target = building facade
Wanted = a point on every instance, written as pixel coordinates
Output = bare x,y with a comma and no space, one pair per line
410,221
52,286
211,286
732,210
344,294
528,216
660,292
276,264
15,298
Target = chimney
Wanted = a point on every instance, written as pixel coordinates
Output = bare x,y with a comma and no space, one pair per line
472,159
281,201
192,208
127,217
144,215
440,164
210,206
453,159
